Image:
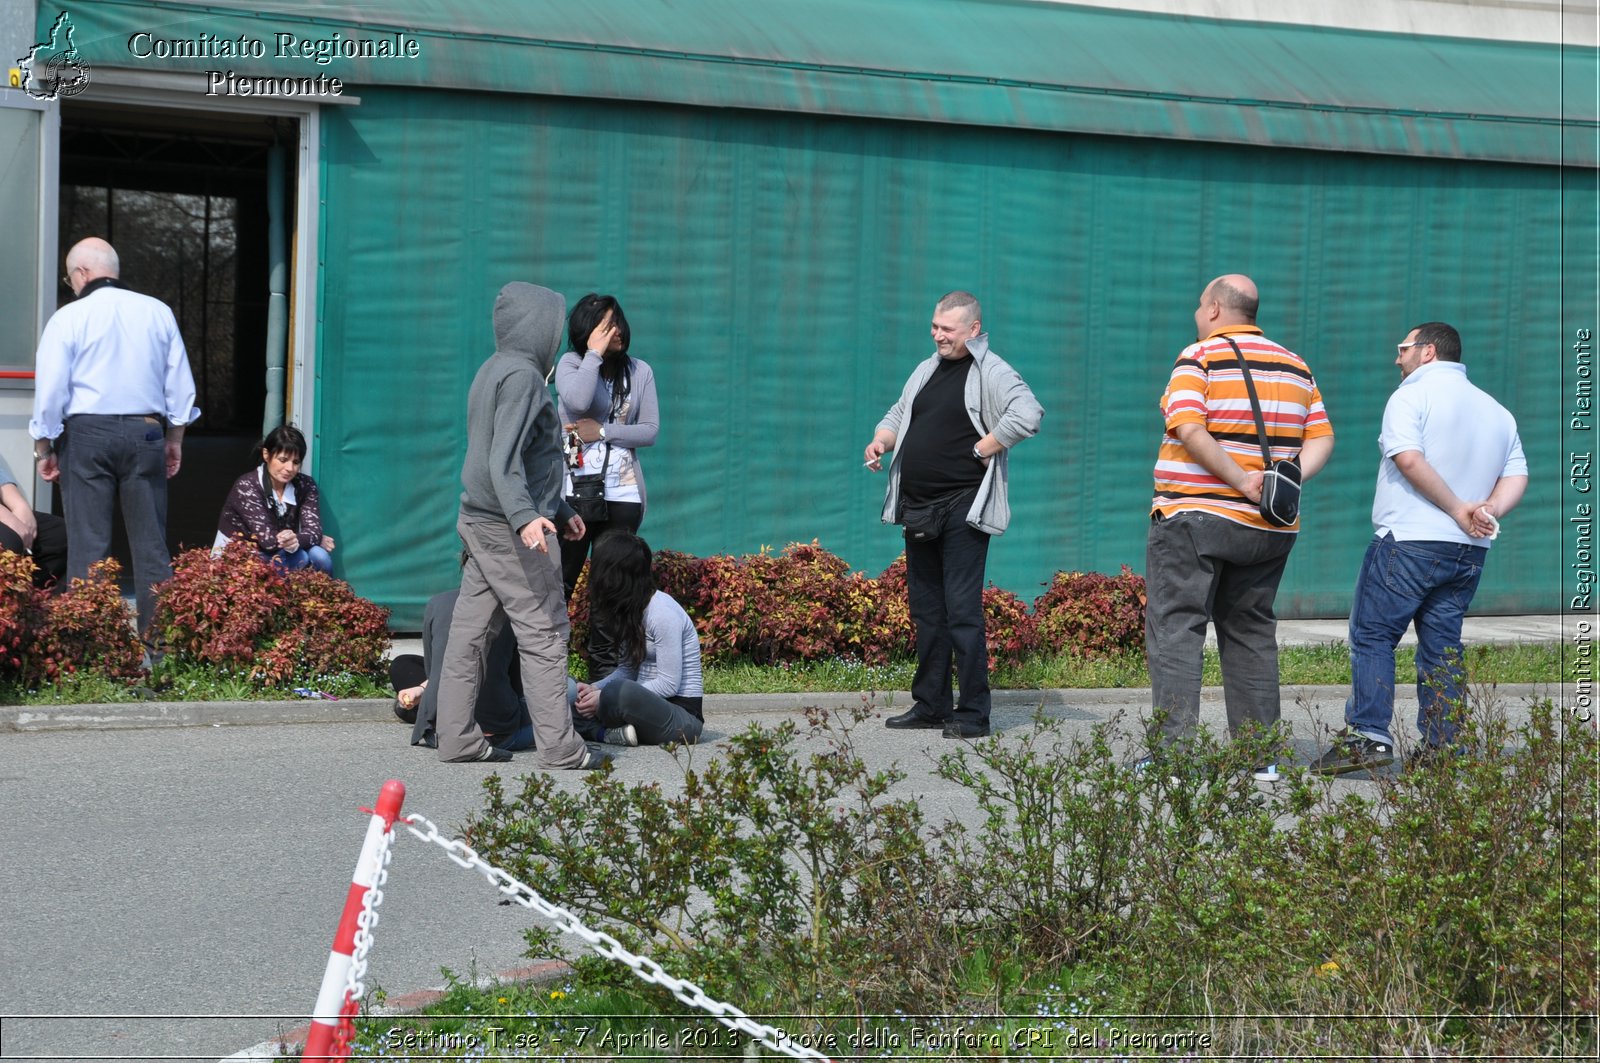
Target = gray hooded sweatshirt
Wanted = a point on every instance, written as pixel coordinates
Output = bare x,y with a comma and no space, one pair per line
513,471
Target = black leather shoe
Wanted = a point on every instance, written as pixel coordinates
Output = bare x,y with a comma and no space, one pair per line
912,719
964,729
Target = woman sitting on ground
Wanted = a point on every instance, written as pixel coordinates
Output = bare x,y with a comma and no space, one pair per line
276,506
654,695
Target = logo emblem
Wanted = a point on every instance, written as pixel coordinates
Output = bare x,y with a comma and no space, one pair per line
53,69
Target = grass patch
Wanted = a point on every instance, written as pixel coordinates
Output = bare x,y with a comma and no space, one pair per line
1324,664
188,682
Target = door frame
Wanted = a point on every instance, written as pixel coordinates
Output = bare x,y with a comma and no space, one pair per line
187,91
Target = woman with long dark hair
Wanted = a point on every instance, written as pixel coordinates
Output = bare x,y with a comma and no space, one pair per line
654,695
608,408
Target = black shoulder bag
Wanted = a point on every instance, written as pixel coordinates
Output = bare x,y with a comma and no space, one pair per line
1280,480
588,498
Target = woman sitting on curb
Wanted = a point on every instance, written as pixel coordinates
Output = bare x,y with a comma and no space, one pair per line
654,695
277,507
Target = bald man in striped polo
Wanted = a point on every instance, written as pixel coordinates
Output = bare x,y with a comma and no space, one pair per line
1211,555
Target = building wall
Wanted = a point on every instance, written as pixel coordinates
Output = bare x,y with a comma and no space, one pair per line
779,270
1545,21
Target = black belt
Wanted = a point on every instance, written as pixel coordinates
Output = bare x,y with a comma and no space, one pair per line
156,417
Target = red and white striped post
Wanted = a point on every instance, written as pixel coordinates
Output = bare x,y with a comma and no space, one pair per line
333,1010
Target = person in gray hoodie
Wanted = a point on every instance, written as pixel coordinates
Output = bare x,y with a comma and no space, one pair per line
510,507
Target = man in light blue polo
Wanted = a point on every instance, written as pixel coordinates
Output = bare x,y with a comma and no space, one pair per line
1452,467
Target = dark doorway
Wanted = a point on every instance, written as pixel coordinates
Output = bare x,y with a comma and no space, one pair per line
183,198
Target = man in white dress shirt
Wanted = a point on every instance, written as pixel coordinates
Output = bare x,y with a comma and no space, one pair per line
113,393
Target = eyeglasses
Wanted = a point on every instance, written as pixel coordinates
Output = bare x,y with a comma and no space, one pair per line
1401,347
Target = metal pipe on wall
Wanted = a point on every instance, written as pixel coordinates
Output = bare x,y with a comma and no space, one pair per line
277,288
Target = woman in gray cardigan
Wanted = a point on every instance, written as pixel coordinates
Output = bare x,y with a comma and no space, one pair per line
608,408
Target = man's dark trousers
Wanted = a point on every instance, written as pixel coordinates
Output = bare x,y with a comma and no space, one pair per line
944,577
1201,567
104,457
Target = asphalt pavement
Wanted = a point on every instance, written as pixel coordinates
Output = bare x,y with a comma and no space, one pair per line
171,875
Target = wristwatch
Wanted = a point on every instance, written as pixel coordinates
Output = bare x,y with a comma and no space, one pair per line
602,431
976,452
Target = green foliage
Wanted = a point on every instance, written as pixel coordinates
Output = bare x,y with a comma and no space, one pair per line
787,877
782,871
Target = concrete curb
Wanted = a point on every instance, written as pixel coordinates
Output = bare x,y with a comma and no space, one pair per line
158,714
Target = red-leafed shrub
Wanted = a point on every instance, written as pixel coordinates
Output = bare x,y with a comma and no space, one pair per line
21,611
724,612
679,575
86,629
1009,630
878,627
578,615
1091,614
338,630
769,607
220,611
805,604
800,604
237,611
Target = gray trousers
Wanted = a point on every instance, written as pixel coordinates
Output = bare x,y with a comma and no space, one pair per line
1200,567
104,460
505,582
656,719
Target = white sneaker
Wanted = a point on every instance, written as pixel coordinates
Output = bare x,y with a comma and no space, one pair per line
1266,773
621,736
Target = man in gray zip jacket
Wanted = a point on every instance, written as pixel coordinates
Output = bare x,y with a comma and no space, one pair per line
957,418
509,510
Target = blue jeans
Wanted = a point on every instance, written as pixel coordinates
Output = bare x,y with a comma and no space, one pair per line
314,556
1431,583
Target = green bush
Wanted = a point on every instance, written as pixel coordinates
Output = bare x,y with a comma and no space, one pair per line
1451,911
782,873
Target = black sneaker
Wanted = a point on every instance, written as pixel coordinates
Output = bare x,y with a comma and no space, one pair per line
1353,752
494,755
1424,756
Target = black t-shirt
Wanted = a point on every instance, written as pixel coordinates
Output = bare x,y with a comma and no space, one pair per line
936,454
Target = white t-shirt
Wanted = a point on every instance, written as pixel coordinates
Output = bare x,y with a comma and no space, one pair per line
1467,437
622,481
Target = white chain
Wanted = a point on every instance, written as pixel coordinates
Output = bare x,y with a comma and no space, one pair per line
367,920
607,946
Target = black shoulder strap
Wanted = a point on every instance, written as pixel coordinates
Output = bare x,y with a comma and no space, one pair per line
1255,403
